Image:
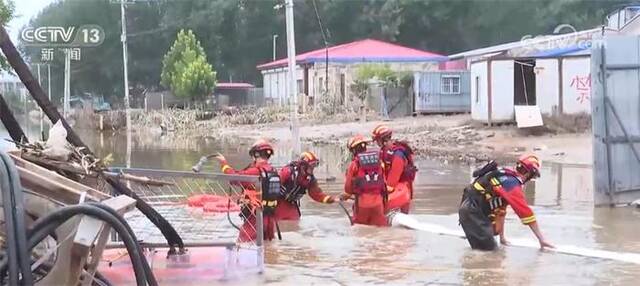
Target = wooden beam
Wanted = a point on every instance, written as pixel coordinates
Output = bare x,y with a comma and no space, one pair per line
90,230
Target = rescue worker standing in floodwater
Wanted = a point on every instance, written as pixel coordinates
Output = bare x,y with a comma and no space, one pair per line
399,169
484,202
261,151
364,180
297,179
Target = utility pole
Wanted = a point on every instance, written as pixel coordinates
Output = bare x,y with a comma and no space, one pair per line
48,88
293,94
41,113
274,46
49,80
126,80
67,83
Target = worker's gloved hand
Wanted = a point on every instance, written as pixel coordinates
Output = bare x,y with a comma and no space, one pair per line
221,159
330,200
345,196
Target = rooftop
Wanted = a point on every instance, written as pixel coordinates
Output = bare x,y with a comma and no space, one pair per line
368,50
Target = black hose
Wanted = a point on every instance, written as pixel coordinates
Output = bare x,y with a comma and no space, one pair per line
12,249
45,225
14,201
229,215
167,230
102,280
346,212
151,279
42,228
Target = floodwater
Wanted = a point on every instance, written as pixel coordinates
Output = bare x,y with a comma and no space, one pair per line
324,249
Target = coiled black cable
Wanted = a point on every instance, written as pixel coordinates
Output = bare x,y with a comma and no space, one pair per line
151,279
46,225
19,257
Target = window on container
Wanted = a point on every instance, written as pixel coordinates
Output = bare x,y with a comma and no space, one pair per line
477,89
450,84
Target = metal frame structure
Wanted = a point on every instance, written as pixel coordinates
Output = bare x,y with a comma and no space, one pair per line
198,228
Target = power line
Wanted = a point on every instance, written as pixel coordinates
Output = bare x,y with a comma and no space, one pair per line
326,48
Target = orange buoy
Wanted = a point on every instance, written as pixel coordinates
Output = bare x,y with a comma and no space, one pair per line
212,198
220,207
195,201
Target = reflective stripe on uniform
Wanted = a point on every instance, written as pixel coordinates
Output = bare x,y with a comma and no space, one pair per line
478,186
495,203
225,167
270,203
528,220
326,198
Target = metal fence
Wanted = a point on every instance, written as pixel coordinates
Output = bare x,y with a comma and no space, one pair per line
215,222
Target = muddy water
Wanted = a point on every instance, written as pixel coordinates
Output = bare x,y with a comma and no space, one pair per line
323,249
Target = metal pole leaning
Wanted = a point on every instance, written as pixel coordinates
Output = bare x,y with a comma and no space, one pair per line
260,231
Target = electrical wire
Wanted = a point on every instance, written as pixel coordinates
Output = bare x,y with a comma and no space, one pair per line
326,47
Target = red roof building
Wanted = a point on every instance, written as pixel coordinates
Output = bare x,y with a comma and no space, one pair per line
368,50
313,78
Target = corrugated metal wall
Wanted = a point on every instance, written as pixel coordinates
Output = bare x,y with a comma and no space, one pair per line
431,98
615,108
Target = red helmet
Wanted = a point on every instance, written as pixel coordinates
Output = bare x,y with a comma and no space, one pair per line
260,146
381,132
356,141
310,158
528,165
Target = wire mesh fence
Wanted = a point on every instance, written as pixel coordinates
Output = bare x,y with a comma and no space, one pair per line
202,207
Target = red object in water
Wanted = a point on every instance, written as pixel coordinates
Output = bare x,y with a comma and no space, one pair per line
221,206
201,200
195,201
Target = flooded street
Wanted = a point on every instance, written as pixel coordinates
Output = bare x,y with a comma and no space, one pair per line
323,249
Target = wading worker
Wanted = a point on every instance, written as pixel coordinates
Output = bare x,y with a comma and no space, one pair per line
297,179
484,202
261,151
399,170
364,180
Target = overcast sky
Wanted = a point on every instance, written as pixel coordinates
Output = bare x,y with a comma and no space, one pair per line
25,10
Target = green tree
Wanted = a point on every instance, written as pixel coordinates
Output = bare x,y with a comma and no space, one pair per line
185,69
7,9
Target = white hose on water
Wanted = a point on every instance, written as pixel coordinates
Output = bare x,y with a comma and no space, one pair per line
402,220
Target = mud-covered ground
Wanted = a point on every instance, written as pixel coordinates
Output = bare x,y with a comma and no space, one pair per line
445,138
